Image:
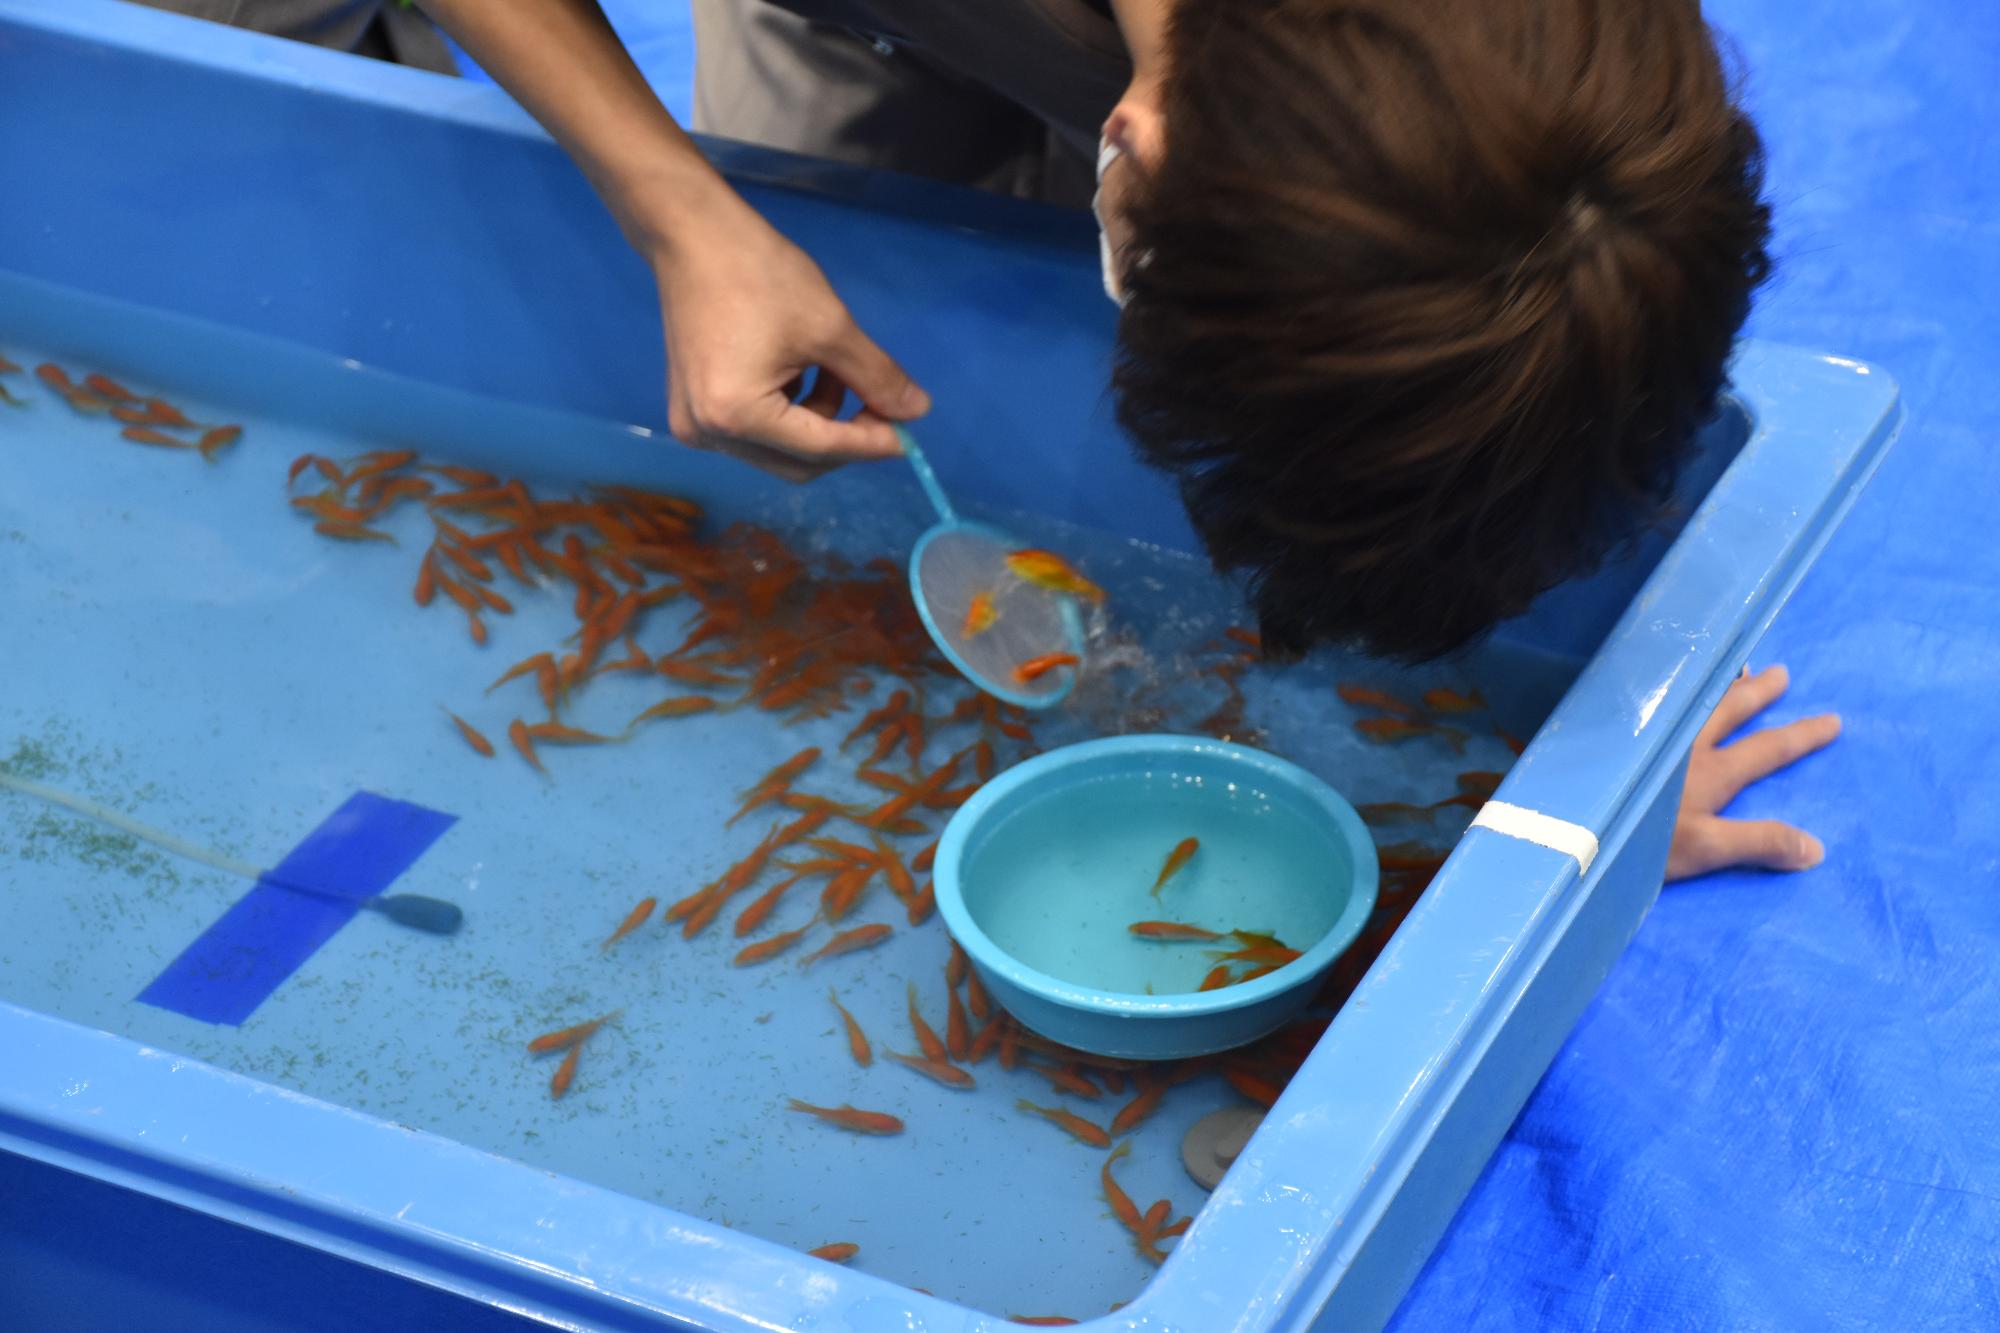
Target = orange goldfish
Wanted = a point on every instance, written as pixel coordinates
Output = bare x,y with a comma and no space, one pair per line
519,669
1248,638
1254,1086
1389,730
684,705
1068,1080
920,907
426,587
1511,742
938,1071
216,439
147,435
957,1031
1041,1320
955,967
1171,930
471,734
1074,1125
857,1040
565,1072
1217,978
983,1044
927,1037
849,941
517,732
838,1253
975,996
1178,857
570,1036
1036,667
166,414
765,950
849,1118
1045,569
55,377
921,862
1134,1113
556,733
351,532
979,615
1451,701
774,782
1366,696
107,388
843,891
633,920
753,916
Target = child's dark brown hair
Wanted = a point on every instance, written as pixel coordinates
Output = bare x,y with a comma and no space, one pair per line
1435,295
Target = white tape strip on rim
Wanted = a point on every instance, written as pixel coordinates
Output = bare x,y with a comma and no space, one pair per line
1517,821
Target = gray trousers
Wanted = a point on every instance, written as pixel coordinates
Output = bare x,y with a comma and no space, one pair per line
379,28
768,76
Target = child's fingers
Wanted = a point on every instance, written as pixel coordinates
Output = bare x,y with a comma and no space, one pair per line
1746,697
1705,843
1763,753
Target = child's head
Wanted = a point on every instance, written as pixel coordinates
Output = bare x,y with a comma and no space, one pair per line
1433,295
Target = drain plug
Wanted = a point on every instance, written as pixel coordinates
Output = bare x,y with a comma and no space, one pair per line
1213,1142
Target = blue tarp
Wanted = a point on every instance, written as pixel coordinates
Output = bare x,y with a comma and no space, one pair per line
1783,1112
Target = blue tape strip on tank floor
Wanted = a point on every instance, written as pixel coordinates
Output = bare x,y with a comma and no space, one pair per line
271,931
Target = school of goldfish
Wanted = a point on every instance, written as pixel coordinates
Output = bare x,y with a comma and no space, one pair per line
144,420
796,638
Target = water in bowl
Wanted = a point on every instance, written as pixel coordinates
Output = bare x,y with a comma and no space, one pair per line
1061,878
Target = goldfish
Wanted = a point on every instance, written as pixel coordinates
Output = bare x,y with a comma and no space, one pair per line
957,1031
521,668
927,1038
426,586
1171,931
217,438
955,967
938,1071
1269,956
107,388
1480,784
754,915
1045,569
633,920
1041,1320
164,413
55,377
1074,1125
8,367
980,616
1121,1203
565,1072
983,1044
1217,978
919,908
897,805
351,532
570,1036
857,1040
1511,742
921,862
1135,1112
782,776
517,732
849,1118
9,399
147,435
975,996
1248,638
1068,1080
693,673
1257,1088
683,705
1036,667
844,891
1178,857
472,735
556,733
1451,701
1365,696
838,1253
1388,812
1388,730
765,950
849,941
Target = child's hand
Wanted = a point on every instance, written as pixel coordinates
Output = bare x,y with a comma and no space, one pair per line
1703,840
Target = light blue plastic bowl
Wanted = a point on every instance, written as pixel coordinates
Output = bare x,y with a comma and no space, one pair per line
1040,874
